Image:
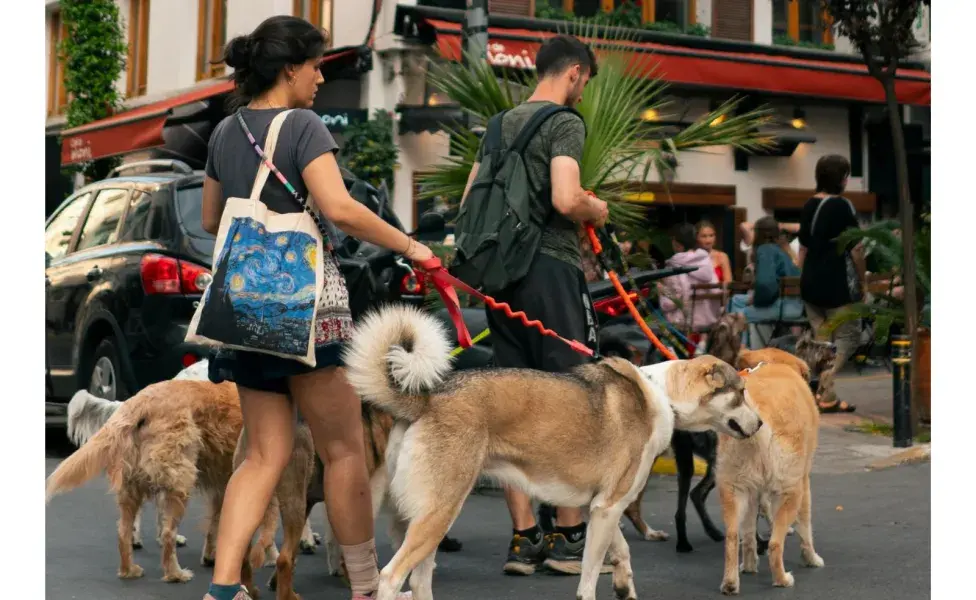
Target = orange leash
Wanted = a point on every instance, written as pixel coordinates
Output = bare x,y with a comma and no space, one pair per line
598,249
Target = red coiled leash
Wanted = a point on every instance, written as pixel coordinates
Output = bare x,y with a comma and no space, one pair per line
445,283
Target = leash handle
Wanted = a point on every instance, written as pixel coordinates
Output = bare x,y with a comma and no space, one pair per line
445,283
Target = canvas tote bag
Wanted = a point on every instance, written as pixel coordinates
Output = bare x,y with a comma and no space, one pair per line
267,272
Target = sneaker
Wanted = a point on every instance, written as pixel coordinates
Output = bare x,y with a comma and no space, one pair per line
564,556
524,556
241,595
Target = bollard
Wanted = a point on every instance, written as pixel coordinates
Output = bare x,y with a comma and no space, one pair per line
901,358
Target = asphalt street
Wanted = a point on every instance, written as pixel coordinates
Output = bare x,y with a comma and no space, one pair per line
871,528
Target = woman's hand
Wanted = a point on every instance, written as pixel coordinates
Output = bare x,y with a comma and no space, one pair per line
417,252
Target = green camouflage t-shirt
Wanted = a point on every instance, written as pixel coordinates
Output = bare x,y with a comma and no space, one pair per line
562,134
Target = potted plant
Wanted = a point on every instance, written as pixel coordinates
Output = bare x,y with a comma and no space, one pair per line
887,310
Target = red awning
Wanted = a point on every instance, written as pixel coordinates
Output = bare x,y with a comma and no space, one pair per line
739,71
137,129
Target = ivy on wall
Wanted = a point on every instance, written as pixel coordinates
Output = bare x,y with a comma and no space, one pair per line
94,53
369,151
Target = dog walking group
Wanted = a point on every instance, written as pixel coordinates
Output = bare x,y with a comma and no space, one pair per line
384,416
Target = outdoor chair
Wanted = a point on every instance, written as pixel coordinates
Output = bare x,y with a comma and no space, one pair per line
706,292
789,287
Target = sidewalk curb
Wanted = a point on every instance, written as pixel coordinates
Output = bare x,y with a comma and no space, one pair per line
909,456
665,465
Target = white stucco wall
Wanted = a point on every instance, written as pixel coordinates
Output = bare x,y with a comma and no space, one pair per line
762,21
716,165
350,21
171,64
703,12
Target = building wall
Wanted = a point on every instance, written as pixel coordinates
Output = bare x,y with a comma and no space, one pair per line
171,63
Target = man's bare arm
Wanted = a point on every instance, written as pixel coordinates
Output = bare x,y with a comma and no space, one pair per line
471,178
568,196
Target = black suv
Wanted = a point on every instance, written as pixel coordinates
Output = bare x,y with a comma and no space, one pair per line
125,267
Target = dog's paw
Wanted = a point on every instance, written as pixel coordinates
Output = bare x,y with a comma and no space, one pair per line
180,576
786,581
730,587
761,546
318,538
749,565
180,540
133,572
306,546
812,560
790,531
684,547
137,544
625,592
207,561
654,535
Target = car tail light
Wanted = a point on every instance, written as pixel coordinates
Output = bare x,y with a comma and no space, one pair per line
414,284
190,359
167,275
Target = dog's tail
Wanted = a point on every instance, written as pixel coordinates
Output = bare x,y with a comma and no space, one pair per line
87,414
112,442
396,357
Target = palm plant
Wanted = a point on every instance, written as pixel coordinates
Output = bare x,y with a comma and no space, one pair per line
886,310
621,147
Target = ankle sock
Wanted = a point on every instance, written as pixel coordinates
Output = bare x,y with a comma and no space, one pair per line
533,534
364,577
573,534
224,592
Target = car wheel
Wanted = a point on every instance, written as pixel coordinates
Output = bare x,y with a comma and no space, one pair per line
105,379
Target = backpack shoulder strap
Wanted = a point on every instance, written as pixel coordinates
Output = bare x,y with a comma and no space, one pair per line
493,132
535,122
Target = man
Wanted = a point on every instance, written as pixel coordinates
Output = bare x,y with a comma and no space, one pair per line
553,290
831,279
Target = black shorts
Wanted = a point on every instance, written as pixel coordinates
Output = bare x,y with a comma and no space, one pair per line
554,292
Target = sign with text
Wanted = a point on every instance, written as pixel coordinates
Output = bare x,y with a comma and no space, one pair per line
338,119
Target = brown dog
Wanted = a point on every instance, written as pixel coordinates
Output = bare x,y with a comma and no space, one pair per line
168,439
773,467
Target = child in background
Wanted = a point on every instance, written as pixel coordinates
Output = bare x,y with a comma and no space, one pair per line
675,292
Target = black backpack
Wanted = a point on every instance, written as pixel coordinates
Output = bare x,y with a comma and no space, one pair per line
498,229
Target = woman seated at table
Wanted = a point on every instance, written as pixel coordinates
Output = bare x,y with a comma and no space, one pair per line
675,292
772,263
705,233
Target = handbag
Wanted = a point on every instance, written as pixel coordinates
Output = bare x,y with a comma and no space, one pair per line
853,281
267,271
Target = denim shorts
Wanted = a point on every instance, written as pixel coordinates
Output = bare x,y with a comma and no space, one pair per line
267,373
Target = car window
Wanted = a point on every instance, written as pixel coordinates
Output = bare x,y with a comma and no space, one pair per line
103,219
189,203
134,228
58,233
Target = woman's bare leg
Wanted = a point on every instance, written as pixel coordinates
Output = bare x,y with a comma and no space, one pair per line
270,422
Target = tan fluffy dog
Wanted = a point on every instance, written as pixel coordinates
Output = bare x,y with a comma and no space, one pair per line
168,439
452,427
772,466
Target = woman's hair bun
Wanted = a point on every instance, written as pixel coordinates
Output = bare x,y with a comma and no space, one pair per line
238,52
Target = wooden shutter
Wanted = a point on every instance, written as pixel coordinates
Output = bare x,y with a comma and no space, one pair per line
521,8
732,19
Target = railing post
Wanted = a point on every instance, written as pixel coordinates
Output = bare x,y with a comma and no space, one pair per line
901,358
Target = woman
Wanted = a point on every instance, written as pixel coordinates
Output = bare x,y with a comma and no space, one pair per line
831,279
675,293
277,68
772,263
705,234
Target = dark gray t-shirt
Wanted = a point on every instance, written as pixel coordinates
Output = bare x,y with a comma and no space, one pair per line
232,161
562,134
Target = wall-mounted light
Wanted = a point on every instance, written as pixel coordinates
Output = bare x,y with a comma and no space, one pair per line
650,114
799,119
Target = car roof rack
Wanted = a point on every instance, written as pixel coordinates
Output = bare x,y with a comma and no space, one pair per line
174,165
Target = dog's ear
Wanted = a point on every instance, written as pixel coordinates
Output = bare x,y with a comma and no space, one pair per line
719,376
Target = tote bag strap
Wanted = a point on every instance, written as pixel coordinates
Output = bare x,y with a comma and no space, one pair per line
267,154
267,166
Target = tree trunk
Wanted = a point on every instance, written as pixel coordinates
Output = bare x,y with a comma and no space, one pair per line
907,234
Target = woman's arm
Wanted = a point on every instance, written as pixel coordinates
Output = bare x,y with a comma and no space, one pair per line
212,205
726,264
324,182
